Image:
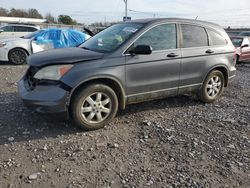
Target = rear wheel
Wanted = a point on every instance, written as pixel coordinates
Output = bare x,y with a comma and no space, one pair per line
18,56
212,87
94,107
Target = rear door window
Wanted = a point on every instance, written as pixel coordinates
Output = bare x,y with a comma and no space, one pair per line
193,36
161,37
21,29
216,38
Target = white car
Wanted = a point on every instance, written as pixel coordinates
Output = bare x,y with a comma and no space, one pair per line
16,50
16,30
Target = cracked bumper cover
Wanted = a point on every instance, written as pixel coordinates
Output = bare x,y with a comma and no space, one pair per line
44,98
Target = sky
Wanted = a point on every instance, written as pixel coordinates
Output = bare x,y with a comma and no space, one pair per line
224,12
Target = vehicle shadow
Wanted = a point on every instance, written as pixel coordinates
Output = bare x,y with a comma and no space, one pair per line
7,63
22,124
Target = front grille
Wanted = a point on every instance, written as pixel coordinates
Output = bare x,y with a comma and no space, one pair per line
31,81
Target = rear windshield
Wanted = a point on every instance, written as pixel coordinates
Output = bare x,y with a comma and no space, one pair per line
237,41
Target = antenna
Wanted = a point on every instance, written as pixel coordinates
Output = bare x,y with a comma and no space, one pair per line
196,17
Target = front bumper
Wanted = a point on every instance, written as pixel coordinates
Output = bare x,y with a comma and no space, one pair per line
4,54
44,98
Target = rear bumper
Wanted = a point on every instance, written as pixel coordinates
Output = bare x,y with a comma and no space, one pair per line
45,98
232,73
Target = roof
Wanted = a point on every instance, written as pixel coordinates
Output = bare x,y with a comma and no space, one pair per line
156,20
26,25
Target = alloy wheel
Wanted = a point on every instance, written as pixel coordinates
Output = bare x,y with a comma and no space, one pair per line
96,108
213,86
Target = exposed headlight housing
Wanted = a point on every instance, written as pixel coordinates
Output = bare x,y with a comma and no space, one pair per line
2,44
53,72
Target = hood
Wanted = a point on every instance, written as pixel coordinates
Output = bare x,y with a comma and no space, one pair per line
63,56
10,40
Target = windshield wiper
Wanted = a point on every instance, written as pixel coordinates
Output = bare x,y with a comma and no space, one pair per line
85,48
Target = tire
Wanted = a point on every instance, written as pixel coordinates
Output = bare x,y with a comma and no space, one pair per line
237,59
94,107
212,87
18,56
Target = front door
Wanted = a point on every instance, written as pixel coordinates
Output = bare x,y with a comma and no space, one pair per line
155,75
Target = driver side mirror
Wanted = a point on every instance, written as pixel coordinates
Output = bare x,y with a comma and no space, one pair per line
1,30
245,46
141,50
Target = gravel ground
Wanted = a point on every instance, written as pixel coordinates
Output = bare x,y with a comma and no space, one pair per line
175,142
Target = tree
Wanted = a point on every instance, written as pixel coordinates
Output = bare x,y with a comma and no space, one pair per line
50,18
33,13
3,12
67,20
18,13
30,13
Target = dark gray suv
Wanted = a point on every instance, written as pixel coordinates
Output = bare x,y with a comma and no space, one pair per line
129,63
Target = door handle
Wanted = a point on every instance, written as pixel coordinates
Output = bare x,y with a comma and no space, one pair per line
172,55
209,51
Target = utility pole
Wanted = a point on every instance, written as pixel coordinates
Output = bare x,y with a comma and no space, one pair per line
126,9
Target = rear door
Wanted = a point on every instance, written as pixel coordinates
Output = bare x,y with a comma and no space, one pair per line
21,31
155,75
202,49
195,55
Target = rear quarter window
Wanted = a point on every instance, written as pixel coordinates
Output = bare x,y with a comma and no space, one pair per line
193,36
21,29
216,38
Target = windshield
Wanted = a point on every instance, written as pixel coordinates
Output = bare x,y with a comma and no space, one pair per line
111,38
237,41
32,35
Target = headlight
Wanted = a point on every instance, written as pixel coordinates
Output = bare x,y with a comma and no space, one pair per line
53,72
2,44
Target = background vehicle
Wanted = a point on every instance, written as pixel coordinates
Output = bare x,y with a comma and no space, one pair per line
16,50
233,33
129,63
16,30
242,45
244,33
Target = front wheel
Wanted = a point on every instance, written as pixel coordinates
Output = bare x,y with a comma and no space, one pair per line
94,107
212,87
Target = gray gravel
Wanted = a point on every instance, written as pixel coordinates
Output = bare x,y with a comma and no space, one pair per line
175,142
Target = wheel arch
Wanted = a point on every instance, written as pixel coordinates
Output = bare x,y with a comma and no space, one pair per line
222,69
111,82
